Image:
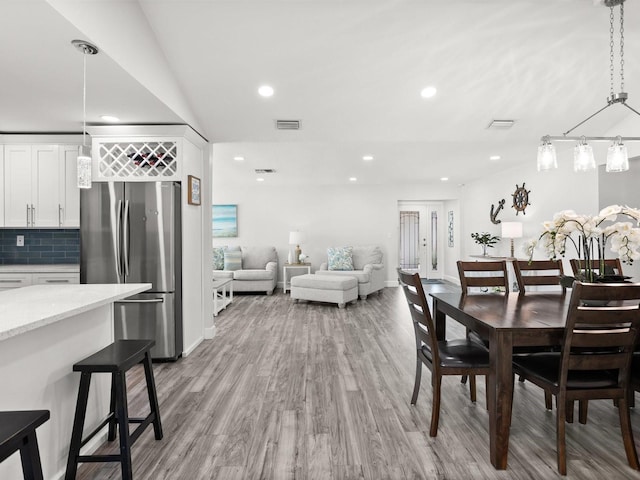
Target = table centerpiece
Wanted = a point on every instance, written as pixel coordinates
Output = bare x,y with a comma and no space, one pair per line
589,235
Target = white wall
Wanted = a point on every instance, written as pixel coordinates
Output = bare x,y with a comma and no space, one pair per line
327,215
551,191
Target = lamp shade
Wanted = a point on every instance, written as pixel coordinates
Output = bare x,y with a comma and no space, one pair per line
617,157
511,229
583,159
296,238
547,157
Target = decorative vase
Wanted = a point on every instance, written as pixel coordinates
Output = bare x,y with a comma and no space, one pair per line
484,249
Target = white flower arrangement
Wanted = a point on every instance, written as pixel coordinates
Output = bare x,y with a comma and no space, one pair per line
592,236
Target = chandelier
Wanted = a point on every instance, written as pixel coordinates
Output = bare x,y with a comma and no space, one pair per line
617,156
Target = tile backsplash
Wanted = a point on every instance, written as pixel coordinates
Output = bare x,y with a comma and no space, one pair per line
41,246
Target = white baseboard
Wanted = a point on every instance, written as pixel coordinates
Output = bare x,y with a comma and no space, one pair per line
210,332
452,279
192,347
391,283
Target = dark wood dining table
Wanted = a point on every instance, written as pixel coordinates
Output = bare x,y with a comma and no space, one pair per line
507,321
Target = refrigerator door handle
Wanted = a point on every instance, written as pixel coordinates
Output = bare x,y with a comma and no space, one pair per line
119,240
125,239
151,300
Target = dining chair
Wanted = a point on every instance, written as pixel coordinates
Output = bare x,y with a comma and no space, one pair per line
536,273
482,276
594,363
442,357
611,265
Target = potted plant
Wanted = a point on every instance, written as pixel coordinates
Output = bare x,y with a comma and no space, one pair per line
486,240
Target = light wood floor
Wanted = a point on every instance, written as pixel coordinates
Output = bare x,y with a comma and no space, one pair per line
310,391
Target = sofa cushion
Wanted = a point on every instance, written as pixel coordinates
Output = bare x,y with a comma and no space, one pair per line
365,255
340,258
232,260
257,257
218,257
259,274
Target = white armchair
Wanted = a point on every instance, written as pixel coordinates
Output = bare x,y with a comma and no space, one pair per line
368,269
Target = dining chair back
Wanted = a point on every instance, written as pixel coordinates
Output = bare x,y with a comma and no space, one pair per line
536,273
492,274
611,265
442,357
602,327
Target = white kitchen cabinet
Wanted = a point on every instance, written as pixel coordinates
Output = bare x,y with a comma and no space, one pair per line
14,280
38,188
69,208
54,278
24,279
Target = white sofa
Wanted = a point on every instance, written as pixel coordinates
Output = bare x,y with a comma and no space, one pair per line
258,272
368,268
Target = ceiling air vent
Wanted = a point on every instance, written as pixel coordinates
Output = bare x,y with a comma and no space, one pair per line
501,124
288,124
265,170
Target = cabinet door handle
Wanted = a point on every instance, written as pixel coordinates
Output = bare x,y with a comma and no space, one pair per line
27,214
11,281
62,280
59,215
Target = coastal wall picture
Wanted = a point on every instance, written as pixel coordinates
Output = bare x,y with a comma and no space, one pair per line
224,221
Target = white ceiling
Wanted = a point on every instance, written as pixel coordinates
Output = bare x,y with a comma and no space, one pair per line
351,71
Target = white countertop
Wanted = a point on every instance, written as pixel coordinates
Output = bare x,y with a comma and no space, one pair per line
57,268
25,309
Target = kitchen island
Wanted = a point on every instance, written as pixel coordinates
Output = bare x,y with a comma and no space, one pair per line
44,330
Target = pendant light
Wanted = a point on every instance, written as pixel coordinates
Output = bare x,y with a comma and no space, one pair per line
84,153
583,160
617,156
547,155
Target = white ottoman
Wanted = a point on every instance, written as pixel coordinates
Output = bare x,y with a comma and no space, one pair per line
325,288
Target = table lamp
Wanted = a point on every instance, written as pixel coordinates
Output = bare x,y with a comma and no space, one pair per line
296,238
511,230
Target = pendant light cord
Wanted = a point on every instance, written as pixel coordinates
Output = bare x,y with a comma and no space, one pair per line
84,99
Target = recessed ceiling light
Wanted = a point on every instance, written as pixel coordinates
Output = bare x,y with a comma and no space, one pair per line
367,158
353,179
109,118
265,91
494,157
238,158
428,92
444,179
259,179
501,124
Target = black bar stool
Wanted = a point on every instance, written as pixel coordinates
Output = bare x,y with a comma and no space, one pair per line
116,359
18,432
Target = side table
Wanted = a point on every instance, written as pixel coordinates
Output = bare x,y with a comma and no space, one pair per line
292,266
222,294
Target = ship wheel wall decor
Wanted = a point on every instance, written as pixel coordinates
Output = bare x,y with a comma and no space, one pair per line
520,199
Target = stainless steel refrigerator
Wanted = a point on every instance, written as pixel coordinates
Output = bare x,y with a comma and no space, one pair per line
130,232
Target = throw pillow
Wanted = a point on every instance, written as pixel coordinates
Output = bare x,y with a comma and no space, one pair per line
340,258
218,258
232,260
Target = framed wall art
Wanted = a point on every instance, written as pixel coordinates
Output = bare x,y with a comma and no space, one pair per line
224,221
450,228
194,190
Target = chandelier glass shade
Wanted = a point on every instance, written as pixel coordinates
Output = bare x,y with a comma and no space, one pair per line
583,159
617,157
547,155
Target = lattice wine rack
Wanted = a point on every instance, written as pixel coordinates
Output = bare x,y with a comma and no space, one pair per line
138,159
